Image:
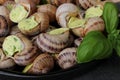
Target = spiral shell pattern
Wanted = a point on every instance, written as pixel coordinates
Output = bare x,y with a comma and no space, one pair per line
42,64
52,43
78,41
5,62
65,11
49,9
28,54
95,23
87,3
4,29
67,58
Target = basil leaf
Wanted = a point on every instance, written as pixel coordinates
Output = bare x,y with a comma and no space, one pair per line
93,47
110,16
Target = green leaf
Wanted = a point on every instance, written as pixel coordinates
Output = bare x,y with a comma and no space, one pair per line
110,16
93,47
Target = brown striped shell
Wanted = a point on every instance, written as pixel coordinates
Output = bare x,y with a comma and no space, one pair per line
65,11
78,41
85,4
42,19
52,43
5,62
9,4
14,30
49,9
92,24
95,23
30,5
42,64
1,41
5,13
4,28
67,58
58,2
28,54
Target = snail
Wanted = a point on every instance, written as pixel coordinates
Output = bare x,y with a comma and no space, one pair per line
52,42
58,2
1,41
3,1
91,24
85,4
14,30
22,10
78,41
20,49
5,22
67,58
9,5
5,62
49,9
41,65
95,23
36,23
64,12
4,27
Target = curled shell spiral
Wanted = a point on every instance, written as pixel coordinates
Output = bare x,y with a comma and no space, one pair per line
85,4
78,41
52,43
5,62
41,24
42,64
95,23
28,54
67,58
65,11
49,9
92,24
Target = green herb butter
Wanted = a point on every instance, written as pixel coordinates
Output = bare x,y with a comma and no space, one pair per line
95,11
11,45
76,22
58,31
18,13
27,24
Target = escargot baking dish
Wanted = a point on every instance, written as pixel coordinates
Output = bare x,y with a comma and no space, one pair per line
46,37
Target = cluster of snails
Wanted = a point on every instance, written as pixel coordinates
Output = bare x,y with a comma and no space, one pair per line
40,50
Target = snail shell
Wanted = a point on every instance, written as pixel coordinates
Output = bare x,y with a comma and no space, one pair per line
43,25
67,58
14,30
3,1
78,41
65,11
30,5
58,2
42,64
4,28
92,24
49,9
95,23
5,62
52,43
28,54
1,41
5,13
9,5
85,4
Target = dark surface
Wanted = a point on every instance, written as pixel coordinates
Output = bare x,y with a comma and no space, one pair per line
108,70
